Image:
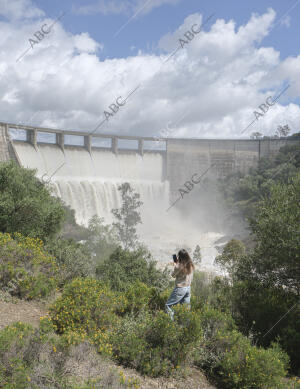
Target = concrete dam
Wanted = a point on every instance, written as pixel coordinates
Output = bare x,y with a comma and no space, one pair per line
86,169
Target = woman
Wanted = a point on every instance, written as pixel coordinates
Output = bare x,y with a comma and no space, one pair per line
183,274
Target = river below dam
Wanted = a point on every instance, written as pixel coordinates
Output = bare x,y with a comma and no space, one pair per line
163,231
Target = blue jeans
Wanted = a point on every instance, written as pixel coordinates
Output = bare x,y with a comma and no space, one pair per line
178,296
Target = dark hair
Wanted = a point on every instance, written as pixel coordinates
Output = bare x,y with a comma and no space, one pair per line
185,261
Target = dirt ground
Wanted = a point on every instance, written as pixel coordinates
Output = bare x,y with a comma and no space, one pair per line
27,312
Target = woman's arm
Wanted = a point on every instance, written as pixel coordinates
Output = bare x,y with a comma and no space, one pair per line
176,270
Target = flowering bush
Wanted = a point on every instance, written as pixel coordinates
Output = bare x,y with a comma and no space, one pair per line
26,269
86,304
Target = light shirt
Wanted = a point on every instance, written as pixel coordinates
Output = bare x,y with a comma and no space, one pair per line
182,279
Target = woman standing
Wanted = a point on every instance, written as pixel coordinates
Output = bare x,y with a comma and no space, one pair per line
183,274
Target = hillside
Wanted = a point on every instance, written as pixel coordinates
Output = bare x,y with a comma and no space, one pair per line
84,363
91,313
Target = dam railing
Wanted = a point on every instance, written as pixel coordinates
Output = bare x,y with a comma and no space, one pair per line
60,137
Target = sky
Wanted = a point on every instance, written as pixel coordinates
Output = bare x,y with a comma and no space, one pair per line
164,68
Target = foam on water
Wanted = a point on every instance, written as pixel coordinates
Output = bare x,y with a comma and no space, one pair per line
88,183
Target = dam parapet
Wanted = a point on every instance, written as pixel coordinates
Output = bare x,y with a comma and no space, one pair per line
32,135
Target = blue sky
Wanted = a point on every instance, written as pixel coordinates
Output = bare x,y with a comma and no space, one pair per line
209,89
145,30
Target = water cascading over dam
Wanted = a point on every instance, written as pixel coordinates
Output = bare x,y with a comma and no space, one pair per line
88,182
86,171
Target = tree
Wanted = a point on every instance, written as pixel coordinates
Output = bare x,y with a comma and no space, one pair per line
101,238
243,191
266,283
128,216
276,257
283,131
256,135
231,256
197,257
26,205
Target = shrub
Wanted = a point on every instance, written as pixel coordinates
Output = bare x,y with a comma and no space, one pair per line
86,305
229,357
261,307
26,204
26,270
155,345
74,259
213,322
200,288
139,296
14,372
245,366
37,358
123,268
210,289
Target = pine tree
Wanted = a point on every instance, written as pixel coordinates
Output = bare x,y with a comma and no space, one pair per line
197,257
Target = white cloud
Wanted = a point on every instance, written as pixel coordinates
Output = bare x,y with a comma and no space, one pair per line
211,86
19,9
106,7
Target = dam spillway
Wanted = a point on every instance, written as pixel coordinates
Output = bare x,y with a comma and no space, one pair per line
86,169
88,181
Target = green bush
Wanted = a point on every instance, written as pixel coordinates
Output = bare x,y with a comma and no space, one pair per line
74,259
213,323
139,296
261,307
246,367
26,269
153,344
26,204
123,268
14,372
86,305
229,357
201,290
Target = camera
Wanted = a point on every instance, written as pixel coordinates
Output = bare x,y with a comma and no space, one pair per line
175,258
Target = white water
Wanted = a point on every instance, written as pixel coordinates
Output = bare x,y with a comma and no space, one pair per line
89,185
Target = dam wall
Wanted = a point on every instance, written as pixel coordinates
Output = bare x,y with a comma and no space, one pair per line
215,158
145,161
85,171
